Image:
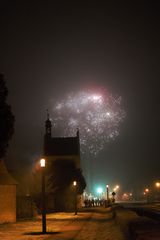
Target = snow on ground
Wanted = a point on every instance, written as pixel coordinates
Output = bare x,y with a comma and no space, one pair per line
101,226
92,224
137,227
89,224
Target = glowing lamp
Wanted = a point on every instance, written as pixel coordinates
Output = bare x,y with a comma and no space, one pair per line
42,162
99,190
74,183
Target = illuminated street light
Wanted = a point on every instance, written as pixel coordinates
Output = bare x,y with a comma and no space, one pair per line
42,164
75,200
157,184
107,190
158,188
74,183
116,188
99,190
146,190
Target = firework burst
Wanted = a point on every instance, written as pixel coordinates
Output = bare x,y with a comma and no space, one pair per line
98,117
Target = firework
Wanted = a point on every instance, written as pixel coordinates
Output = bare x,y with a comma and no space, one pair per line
97,116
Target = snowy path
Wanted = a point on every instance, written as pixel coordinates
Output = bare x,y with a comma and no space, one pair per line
89,224
95,224
99,225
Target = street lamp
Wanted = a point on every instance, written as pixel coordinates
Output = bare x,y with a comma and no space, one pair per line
158,184
116,188
147,190
42,164
99,190
107,189
75,200
158,188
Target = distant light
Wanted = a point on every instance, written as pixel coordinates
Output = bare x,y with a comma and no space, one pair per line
116,188
107,186
42,162
146,190
157,184
74,183
99,190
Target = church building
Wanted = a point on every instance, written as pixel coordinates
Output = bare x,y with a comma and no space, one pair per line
60,147
64,152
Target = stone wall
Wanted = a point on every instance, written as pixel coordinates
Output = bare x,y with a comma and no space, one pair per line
7,203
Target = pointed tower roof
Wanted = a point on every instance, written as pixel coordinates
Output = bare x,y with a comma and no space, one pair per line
48,121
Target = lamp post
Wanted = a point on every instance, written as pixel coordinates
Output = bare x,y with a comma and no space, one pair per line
158,188
147,194
42,164
107,190
75,200
157,184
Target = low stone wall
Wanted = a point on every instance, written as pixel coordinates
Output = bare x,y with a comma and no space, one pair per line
7,203
124,219
26,208
136,227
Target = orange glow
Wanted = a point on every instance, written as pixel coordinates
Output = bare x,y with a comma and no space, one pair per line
158,184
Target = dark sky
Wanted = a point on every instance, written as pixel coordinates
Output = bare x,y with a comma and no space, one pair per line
48,49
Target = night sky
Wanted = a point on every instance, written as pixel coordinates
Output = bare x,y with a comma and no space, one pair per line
48,50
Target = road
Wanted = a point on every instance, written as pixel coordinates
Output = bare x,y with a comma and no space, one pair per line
151,210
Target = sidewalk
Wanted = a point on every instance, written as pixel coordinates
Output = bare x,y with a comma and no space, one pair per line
92,224
31,229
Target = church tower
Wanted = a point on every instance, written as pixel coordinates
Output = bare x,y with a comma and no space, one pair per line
62,152
48,134
48,126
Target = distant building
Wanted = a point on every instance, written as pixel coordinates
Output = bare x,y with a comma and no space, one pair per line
7,195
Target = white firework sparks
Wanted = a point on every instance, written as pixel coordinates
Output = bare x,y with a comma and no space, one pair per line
97,116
